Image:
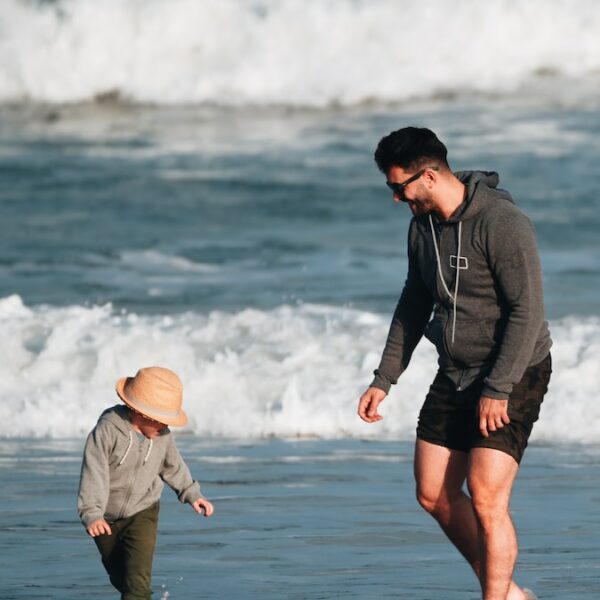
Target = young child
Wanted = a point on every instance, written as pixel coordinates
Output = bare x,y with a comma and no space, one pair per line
127,457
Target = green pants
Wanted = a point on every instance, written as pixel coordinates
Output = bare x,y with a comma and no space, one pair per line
128,551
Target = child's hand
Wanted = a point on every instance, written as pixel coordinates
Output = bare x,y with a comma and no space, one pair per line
203,506
99,527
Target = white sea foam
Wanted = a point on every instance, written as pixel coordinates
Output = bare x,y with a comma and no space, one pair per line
286,372
292,52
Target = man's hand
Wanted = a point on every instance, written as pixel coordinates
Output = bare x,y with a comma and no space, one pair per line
493,415
99,527
203,507
368,403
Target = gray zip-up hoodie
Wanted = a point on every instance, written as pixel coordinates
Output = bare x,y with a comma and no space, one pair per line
488,314
123,472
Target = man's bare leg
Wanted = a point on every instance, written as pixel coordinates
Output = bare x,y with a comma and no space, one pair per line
440,474
490,477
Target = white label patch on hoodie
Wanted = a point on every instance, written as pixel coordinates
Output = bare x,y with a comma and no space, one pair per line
464,263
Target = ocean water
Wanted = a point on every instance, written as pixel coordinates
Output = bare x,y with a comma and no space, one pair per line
191,184
259,255
296,519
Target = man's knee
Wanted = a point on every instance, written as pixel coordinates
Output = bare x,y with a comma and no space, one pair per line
437,503
489,509
425,500
489,482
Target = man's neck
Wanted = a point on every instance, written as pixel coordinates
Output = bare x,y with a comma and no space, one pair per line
451,195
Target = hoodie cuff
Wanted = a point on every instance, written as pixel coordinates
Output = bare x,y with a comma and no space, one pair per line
381,383
88,519
191,494
494,394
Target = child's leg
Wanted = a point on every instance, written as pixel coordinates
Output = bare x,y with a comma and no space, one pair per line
112,555
138,540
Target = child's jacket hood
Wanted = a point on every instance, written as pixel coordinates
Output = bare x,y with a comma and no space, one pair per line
118,416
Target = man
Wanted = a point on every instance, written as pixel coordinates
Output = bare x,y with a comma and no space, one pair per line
474,289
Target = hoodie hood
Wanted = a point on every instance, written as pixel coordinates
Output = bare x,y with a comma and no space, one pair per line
490,178
119,416
481,189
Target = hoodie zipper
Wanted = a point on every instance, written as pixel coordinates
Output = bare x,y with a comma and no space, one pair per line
132,482
460,380
436,230
437,244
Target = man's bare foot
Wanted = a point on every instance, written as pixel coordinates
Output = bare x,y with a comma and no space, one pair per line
516,593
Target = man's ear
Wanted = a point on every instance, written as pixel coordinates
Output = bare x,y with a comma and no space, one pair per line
430,177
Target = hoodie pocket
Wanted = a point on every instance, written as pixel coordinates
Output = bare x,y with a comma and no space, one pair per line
487,330
474,342
434,332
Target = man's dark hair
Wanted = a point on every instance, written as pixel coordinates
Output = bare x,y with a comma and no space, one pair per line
410,148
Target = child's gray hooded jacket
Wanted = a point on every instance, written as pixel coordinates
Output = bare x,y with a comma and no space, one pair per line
123,472
488,315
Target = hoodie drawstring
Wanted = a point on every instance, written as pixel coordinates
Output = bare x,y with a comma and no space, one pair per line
149,450
454,296
128,449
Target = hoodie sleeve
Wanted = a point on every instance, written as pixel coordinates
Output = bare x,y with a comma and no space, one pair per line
94,482
408,323
177,476
514,260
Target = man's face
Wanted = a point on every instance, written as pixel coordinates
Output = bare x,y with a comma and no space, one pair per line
415,193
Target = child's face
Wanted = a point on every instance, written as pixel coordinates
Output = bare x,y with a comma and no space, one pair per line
146,426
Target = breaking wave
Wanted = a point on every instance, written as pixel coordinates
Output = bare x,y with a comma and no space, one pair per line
293,371
292,52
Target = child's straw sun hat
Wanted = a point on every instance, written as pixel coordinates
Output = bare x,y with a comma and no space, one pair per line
155,392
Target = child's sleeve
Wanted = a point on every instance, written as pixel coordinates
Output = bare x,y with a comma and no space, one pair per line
94,483
177,476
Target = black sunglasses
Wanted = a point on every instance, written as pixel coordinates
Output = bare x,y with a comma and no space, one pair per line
398,188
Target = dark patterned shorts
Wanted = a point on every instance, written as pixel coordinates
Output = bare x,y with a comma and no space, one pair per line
448,418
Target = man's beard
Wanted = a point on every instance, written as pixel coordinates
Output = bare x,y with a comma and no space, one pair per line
422,205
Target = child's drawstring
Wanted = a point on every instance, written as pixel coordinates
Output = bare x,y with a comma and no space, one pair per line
128,449
149,450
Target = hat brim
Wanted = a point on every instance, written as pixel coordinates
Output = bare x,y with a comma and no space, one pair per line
174,420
